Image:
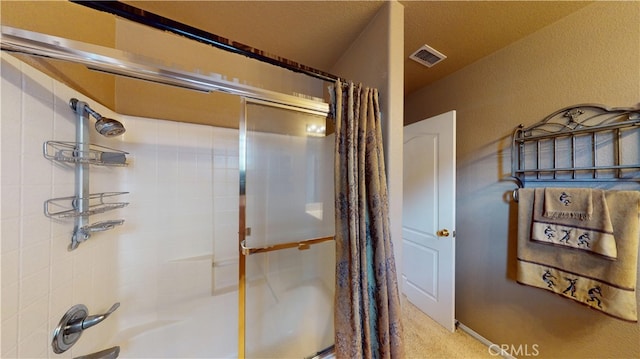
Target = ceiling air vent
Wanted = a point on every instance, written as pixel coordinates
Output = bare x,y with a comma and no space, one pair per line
427,56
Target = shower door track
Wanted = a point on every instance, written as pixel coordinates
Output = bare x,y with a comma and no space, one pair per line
122,63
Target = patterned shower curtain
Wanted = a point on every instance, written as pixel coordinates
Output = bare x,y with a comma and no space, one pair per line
367,303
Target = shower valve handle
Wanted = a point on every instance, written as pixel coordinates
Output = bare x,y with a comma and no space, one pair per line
89,321
73,323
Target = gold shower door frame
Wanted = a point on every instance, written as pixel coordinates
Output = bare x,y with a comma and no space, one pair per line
243,250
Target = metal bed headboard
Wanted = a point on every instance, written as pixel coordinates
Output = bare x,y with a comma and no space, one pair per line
578,143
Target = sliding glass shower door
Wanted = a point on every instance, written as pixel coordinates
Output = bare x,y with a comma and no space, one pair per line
286,232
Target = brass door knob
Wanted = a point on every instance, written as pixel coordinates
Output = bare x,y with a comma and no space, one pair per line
443,233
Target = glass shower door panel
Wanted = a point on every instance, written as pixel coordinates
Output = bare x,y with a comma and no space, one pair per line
289,192
289,198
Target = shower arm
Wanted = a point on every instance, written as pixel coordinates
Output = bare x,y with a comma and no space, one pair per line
80,106
93,113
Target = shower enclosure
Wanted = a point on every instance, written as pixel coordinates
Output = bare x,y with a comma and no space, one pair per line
228,248
286,226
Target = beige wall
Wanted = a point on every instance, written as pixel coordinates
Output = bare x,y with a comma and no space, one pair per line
74,22
590,56
376,60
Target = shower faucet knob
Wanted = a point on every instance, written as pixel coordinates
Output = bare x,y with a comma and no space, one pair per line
73,323
89,321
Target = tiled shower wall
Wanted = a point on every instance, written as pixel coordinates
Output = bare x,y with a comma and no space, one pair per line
173,264
183,184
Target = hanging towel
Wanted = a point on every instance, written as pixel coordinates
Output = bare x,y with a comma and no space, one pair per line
602,284
573,203
594,235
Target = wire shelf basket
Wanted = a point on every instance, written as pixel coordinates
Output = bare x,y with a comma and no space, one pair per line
64,151
66,207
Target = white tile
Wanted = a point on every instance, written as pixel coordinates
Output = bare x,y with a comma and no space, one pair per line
34,288
187,166
145,169
35,228
65,119
10,268
61,231
105,289
9,335
33,198
36,343
83,258
37,125
10,300
188,135
140,131
131,275
225,203
11,163
219,161
63,177
36,170
168,136
11,109
60,244
61,272
61,300
10,353
37,85
11,74
10,205
35,258
10,234
82,283
33,317
233,162
168,172
233,178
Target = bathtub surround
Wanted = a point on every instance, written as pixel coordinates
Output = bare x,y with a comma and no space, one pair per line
172,265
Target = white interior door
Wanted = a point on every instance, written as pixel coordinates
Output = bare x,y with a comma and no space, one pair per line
428,224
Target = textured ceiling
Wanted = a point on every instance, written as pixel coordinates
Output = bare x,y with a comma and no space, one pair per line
316,33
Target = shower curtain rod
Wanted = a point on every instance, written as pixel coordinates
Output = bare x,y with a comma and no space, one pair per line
162,23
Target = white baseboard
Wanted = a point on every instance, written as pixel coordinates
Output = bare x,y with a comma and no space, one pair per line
492,347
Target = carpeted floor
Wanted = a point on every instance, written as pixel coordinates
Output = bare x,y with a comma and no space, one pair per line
424,338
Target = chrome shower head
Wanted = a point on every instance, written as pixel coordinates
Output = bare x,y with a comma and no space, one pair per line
107,127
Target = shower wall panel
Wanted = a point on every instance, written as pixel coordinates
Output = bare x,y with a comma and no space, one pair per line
41,280
172,265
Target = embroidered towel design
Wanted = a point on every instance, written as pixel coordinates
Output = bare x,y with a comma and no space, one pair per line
594,235
575,203
605,285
